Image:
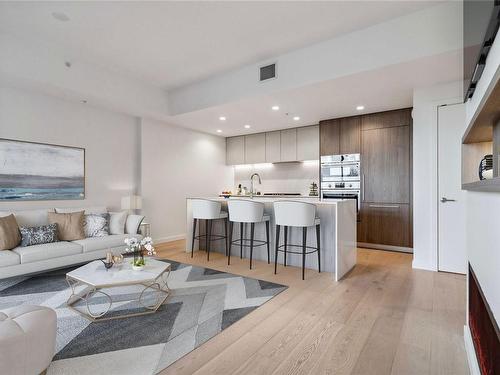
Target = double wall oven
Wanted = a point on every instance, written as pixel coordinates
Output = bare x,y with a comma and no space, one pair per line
340,177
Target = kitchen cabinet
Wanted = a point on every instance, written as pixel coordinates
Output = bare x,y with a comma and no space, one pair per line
340,136
385,224
255,148
308,143
400,117
289,145
235,150
350,135
329,135
385,169
273,147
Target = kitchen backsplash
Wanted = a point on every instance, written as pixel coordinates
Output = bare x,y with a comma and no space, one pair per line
279,177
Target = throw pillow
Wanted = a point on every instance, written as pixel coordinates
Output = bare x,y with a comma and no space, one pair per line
38,235
117,222
9,233
133,223
69,226
96,225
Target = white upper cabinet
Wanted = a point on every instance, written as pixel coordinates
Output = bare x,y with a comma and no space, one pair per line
296,144
235,150
273,147
255,148
308,143
289,145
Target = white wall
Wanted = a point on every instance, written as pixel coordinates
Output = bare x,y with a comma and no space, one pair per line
178,163
425,195
110,141
279,177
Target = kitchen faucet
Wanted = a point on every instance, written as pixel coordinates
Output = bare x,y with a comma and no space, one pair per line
252,191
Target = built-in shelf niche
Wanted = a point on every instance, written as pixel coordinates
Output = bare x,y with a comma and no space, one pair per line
482,137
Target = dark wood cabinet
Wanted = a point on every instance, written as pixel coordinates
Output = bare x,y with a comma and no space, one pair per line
340,136
350,135
329,133
385,174
385,224
400,117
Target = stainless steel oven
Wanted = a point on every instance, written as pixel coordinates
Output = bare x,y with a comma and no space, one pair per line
335,168
342,190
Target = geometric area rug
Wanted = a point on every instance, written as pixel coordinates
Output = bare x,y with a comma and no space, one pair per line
202,303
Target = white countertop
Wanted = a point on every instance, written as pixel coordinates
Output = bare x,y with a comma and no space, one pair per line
270,199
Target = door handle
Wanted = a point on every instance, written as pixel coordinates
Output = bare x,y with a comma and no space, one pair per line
444,200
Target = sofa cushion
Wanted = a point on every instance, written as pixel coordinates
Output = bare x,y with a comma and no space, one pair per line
88,210
117,222
36,253
96,225
106,242
9,258
30,218
69,225
9,233
133,223
38,235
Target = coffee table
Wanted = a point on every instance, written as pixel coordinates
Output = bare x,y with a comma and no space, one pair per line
93,277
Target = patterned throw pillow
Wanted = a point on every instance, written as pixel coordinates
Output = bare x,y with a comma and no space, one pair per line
96,225
38,235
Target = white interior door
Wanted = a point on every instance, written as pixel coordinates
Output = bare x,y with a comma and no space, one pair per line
451,211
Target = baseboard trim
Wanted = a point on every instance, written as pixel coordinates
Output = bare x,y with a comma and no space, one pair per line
400,249
170,238
471,352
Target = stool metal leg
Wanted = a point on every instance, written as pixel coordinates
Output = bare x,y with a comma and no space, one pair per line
230,242
206,234
268,245
277,245
252,231
209,238
304,244
318,236
241,240
194,235
286,241
225,234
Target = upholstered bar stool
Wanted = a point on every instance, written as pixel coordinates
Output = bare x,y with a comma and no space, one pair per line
290,214
205,209
247,212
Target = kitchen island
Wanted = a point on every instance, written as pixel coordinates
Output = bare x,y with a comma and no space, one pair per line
338,234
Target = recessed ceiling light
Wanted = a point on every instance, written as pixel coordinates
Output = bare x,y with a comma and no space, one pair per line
275,108
360,107
60,16
247,126
222,118
219,131
296,118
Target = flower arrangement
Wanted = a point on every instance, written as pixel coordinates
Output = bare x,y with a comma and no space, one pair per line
139,249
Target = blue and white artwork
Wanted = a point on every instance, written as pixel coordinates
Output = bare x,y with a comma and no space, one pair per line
35,171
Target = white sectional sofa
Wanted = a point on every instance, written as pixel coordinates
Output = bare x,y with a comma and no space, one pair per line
37,258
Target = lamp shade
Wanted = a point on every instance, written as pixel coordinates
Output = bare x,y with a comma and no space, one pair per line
132,202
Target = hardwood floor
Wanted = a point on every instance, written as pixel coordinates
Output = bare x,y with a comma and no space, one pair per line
383,318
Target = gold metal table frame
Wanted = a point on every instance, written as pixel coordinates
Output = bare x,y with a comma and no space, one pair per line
159,284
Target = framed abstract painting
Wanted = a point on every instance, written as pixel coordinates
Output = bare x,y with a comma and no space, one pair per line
37,171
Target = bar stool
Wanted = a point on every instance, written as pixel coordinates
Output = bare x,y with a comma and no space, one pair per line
296,214
244,212
205,209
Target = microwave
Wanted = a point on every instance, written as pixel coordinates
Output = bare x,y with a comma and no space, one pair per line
340,168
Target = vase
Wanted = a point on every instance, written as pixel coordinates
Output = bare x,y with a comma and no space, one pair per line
139,261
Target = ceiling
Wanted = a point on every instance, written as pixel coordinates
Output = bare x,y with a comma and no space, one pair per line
378,90
171,44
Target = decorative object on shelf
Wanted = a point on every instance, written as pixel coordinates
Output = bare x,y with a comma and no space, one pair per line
238,191
139,249
226,194
118,259
36,171
313,190
486,167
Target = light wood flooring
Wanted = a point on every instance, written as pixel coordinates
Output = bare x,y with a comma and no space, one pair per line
383,318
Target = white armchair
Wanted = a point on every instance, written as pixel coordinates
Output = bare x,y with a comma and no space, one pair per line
27,339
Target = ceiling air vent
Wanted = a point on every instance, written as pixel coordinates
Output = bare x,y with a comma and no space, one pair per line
267,72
